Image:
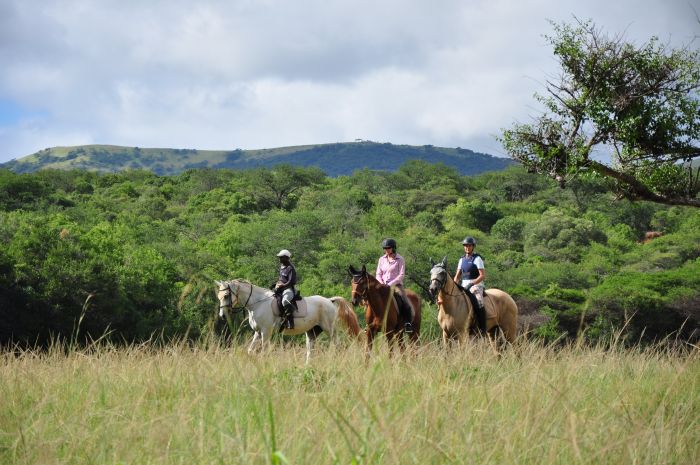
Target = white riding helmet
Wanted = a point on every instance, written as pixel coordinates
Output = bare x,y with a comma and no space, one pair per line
285,253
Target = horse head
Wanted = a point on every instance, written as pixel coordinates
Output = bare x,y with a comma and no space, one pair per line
232,296
438,276
360,284
223,293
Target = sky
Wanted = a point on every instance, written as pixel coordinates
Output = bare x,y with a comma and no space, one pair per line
250,74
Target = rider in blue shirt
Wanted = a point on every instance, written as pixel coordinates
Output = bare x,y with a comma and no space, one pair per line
471,274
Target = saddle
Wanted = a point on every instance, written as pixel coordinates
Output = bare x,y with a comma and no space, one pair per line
479,311
298,302
402,302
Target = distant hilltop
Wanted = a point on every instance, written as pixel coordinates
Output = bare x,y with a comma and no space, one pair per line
334,159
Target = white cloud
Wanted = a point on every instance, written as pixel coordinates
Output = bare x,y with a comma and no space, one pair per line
252,74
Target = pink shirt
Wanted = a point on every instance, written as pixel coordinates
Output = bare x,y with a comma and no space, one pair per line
390,270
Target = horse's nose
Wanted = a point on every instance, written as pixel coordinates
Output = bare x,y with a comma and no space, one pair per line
355,301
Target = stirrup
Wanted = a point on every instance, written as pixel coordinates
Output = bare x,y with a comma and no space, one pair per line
285,324
408,327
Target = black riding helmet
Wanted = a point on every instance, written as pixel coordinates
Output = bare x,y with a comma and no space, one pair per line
469,241
389,242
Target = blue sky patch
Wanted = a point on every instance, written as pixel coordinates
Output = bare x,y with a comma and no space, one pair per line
12,113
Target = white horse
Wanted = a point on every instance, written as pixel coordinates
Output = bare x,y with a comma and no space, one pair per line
316,313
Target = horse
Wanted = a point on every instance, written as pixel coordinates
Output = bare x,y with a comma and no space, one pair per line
380,312
456,312
265,319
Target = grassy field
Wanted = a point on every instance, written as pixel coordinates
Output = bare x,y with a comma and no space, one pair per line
206,404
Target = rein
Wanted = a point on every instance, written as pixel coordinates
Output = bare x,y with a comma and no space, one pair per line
236,309
460,292
365,296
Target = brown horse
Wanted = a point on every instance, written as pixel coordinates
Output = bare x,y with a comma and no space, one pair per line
381,313
456,312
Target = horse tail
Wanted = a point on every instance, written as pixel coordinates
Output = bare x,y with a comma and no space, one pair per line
511,327
347,315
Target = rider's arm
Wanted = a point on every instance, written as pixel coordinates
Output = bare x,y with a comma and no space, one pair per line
482,272
480,278
379,273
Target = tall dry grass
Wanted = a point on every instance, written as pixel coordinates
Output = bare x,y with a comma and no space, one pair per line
206,404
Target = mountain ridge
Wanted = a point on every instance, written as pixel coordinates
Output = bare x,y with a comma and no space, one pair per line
335,159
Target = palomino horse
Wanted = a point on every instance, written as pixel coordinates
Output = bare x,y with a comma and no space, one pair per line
456,312
320,313
382,313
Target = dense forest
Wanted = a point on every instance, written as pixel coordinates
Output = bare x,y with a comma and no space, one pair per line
133,255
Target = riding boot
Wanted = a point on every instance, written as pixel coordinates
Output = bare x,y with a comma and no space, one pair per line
289,314
481,318
405,312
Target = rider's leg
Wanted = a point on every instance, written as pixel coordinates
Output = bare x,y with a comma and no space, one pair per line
478,292
287,298
405,309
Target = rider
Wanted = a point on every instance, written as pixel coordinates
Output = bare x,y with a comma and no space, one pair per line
472,273
285,285
390,271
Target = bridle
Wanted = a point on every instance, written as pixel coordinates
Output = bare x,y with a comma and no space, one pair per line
364,294
228,296
442,283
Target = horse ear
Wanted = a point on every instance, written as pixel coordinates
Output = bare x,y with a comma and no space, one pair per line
432,263
444,261
364,269
351,270
219,283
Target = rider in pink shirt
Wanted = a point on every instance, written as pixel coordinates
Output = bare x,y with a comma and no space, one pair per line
390,271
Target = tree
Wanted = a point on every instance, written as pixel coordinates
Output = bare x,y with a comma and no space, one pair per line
638,104
278,187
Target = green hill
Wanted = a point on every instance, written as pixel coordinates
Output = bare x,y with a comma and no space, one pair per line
334,159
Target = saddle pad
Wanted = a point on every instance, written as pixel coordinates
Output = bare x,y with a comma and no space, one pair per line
301,311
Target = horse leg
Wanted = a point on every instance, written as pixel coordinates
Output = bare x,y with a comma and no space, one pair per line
503,338
309,345
370,342
462,337
493,334
401,336
251,347
327,324
509,331
391,337
310,339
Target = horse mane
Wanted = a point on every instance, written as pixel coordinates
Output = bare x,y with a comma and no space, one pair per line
382,289
239,281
